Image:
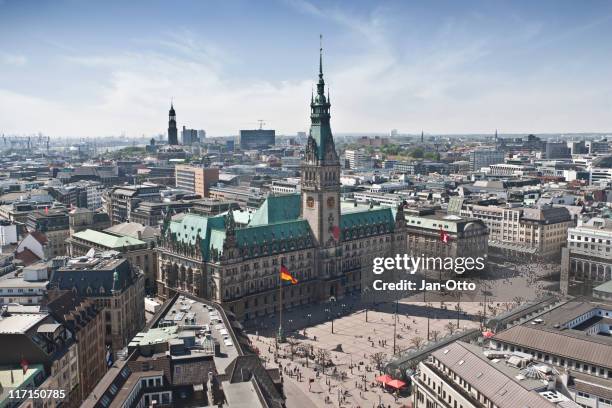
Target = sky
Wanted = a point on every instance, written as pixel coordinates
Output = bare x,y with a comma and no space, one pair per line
83,68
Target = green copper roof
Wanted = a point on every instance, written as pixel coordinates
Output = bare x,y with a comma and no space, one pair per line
107,240
375,220
320,129
278,237
278,209
191,225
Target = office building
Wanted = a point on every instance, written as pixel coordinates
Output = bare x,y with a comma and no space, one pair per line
122,200
197,180
558,150
255,139
26,288
114,285
483,158
53,224
587,260
597,146
357,159
139,251
468,237
47,345
190,136
524,232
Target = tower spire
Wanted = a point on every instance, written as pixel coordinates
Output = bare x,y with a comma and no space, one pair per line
320,56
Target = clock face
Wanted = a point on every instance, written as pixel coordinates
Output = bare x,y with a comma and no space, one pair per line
331,202
310,202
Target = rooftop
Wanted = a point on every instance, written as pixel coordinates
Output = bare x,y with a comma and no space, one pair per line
107,240
20,323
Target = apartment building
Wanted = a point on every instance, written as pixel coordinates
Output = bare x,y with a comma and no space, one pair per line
86,320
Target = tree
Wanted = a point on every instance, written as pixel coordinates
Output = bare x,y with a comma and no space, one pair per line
450,327
322,356
417,153
417,342
303,350
293,343
378,359
435,335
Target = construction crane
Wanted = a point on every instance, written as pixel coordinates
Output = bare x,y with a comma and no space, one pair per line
261,123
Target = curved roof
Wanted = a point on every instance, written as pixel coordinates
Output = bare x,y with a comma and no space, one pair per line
602,161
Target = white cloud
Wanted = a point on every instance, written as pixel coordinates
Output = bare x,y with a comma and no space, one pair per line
13,59
438,87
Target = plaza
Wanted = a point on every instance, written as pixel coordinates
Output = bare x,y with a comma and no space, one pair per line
357,350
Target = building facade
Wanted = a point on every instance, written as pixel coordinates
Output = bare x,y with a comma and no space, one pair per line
522,231
86,320
115,286
357,159
587,260
54,225
197,180
254,139
121,201
172,130
468,237
484,158
140,253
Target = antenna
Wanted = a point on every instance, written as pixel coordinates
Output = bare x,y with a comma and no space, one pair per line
261,123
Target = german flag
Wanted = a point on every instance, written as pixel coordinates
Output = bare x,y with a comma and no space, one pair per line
286,276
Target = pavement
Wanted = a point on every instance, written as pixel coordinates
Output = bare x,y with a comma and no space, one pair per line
350,379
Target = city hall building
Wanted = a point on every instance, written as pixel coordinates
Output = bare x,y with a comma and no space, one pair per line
327,245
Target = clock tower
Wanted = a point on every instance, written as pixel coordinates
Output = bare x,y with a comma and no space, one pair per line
321,171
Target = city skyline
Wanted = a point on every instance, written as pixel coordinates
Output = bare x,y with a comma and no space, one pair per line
522,68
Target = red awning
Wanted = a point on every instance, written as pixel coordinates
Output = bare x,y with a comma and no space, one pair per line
488,334
384,379
396,384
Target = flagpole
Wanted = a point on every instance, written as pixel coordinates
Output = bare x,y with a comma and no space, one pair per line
280,338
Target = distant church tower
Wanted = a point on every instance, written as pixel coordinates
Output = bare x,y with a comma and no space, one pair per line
172,131
321,171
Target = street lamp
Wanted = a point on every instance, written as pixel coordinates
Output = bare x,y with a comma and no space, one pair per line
330,316
330,311
366,294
